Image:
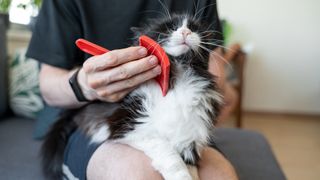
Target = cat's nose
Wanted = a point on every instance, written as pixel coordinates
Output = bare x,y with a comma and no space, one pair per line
185,32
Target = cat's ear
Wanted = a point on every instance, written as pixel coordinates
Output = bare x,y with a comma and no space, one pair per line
136,31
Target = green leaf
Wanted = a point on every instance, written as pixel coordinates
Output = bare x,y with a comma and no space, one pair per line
37,3
4,5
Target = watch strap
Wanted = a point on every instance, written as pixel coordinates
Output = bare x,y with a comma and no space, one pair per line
73,81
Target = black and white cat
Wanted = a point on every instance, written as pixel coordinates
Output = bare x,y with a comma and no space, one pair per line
171,130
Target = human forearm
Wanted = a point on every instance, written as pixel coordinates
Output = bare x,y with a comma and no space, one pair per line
55,88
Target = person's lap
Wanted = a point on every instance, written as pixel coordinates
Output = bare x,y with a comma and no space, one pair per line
117,161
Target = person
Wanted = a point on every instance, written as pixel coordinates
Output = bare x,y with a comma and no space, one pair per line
108,77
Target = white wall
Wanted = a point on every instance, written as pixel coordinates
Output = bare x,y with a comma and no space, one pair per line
283,70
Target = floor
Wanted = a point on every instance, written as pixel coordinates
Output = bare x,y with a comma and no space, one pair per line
294,139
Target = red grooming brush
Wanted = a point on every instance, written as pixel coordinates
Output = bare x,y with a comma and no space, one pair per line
153,49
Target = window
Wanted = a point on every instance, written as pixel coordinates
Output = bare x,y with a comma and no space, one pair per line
21,11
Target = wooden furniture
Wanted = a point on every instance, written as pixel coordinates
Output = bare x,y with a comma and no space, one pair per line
239,62
237,58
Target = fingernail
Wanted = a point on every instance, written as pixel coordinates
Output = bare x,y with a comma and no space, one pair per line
153,60
157,70
142,51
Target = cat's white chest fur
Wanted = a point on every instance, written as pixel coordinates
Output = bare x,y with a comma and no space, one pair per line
173,126
179,117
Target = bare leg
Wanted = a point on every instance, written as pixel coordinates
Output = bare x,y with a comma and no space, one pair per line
116,161
164,158
214,166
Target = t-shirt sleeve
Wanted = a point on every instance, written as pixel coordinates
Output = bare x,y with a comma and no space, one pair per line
57,28
212,17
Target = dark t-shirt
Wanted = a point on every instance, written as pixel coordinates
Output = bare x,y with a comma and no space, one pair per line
105,22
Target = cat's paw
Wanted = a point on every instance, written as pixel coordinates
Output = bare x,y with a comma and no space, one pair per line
193,170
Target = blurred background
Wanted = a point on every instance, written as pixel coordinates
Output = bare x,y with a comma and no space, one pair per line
281,93
276,74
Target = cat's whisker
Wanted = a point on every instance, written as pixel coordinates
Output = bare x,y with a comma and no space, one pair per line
163,40
210,39
216,54
204,48
165,8
158,32
204,36
196,6
197,50
213,44
202,10
170,31
207,35
219,57
211,31
218,67
211,26
153,11
158,38
214,41
155,48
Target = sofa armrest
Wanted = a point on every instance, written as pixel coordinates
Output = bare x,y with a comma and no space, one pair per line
3,65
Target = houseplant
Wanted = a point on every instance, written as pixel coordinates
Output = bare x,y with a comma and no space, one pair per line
32,7
4,9
4,6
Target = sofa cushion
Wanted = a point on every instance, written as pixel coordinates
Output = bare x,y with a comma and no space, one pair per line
19,152
250,154
3,66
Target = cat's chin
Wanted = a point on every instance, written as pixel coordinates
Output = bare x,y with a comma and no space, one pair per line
177,50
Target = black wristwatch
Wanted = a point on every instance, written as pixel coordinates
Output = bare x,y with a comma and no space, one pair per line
73,81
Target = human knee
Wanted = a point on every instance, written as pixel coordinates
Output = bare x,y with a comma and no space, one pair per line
116,161
213,165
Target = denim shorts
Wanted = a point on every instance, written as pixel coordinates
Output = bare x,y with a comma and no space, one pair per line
77,155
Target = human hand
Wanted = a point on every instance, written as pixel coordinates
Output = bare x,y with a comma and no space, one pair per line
111,76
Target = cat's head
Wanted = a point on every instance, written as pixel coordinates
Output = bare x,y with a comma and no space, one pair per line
181,35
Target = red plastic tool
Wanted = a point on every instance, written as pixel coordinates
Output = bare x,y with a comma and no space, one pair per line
90,48
153,48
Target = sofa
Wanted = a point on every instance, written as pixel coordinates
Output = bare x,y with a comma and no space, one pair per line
248,151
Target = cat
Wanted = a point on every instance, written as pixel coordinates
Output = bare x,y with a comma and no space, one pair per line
170,130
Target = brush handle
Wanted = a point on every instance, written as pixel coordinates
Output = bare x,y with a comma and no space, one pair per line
90,47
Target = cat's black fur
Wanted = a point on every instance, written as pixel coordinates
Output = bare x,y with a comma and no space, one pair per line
121,117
